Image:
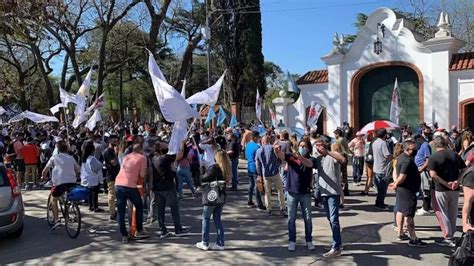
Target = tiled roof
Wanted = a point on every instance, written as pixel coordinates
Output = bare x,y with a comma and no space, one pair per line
205,110
311,77
462,61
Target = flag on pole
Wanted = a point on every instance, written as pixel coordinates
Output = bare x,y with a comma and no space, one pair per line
92,122
66,97
173,106
233,121
84,90
292,87
301,111
55,108
221,117
208,96
314,113
258,106
210,115
395,108
273,117
178,134
99,103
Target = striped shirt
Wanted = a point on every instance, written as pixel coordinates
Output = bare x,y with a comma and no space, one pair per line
267,162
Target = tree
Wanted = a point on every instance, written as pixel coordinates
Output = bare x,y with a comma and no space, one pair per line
237,38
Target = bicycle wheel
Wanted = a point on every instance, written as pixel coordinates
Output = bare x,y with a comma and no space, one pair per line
49,211
73,220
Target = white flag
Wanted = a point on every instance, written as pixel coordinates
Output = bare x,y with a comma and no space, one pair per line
300,109
292,87
84,90
258,106
96,117
79,119
2,110
313,114
66,97
395,108
208,96
55,108
273,117
173,106
178,134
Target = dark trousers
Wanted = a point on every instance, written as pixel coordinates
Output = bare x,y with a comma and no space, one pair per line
196,174
93,197
123,194
169,198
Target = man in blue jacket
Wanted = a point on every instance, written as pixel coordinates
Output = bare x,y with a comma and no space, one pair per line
250,155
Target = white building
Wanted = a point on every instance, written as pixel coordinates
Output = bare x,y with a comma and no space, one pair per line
436,81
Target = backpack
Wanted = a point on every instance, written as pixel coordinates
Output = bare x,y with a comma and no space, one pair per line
369,156
464,252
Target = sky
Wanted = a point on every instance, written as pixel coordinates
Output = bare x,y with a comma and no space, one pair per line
297,33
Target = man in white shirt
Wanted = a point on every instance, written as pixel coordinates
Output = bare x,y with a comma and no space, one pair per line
63,176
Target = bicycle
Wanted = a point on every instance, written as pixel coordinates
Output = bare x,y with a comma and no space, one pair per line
69,209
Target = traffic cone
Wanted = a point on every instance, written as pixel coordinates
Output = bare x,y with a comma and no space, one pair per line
133,226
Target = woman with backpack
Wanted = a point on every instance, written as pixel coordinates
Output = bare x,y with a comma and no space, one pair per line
213,200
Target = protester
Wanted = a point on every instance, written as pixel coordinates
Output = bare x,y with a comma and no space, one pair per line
133,167
421,160
407,184
184,172
63,177
329,172
233,150
221,171
250,155
164,187
444,166
91,176
268,168
112,166
346,152
30,154
357,147
299,178
382,157
369,165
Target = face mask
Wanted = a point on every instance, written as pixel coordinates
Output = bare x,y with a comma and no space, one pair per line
302,151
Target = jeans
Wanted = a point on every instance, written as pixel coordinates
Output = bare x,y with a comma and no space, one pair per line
253,189
171,198
331,207
292,202
123,194
382,187
358,168
235,174
184,174
216,212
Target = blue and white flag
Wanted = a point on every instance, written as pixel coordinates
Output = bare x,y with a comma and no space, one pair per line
210,115
233,121
292,87
221,117
258,106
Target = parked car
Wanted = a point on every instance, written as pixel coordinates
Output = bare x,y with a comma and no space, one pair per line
12,210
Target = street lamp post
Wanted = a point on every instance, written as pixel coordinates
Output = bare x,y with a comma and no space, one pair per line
208,39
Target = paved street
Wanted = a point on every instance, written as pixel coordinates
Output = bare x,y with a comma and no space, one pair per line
251,237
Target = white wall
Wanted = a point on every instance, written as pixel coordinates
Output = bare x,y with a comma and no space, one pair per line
462,88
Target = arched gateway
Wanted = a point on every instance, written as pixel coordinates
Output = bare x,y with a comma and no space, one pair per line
371,93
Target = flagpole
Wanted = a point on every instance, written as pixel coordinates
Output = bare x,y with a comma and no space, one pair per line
66,122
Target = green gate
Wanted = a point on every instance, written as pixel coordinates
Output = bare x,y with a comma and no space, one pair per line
375,93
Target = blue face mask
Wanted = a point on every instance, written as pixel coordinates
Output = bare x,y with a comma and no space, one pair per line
302,151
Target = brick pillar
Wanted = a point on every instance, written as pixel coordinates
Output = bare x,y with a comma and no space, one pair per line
235,108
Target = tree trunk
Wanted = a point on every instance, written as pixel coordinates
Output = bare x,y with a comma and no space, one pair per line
121,96
101,69
44,74
187,59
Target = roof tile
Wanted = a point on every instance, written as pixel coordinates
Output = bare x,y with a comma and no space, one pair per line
462,61
315,76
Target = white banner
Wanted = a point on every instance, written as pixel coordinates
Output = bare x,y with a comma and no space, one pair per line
314,113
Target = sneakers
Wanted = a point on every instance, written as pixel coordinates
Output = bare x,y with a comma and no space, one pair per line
262,208
292,246
55,225
141,235
417,243
113,217
217,247
183,232
383,207
422,212
202,246
333,253
403,237
251,205
283,213
446,243
124,239
165,234
310,245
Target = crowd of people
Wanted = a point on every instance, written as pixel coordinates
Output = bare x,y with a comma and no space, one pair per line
132,165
